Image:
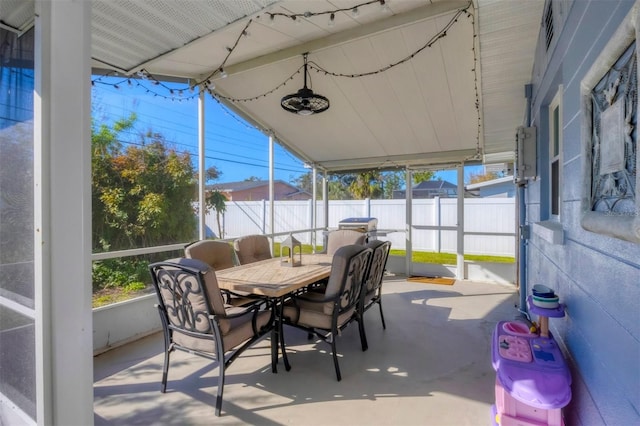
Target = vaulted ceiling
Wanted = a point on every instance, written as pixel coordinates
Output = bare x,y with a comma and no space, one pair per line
411,83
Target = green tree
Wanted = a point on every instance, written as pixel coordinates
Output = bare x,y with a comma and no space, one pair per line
304,182
366,185
345,186
422,176
483,177
215,200
391,181
142,194
338,190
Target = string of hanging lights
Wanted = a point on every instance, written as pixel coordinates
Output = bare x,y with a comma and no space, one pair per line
179,94
440,34
475,85
312,65
355,12
208,83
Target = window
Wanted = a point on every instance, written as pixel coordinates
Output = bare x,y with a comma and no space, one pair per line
555,154
17,307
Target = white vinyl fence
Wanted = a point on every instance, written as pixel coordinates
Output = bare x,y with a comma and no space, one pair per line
489,223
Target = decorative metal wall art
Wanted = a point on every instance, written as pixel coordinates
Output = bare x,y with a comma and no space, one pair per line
614,137
611,189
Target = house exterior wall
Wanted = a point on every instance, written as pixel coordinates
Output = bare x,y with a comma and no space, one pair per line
281,190
501,190
596,276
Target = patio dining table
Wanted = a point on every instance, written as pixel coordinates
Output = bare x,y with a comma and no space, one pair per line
275,280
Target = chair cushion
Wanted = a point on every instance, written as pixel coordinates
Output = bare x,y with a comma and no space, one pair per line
339,267
217,254
252,248
343,237
312,315
239,331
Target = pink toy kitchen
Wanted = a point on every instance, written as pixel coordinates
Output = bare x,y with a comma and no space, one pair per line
533,382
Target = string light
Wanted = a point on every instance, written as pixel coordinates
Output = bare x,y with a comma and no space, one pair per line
475,83
208,84
439,35
353,9
176,93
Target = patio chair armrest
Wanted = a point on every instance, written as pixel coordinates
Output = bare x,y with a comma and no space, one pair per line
237,311
253,310
312,300
256,297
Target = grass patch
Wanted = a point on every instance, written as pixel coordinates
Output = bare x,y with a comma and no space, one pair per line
421,256
450,258
306,249
107,296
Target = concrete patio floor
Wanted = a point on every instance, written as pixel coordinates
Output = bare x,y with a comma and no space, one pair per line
431,366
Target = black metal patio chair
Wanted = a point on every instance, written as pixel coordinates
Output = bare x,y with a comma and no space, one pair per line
371,293
327,314
196,320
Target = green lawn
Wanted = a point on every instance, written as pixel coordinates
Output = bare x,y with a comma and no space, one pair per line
450,258
422,256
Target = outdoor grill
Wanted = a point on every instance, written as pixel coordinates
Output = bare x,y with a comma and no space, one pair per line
362,224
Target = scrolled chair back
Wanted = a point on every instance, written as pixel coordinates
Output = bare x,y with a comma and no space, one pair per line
188,293
348,271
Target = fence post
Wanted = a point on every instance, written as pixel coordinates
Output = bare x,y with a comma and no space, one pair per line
311,215
437,210
264,216
408,231
460,245
367,207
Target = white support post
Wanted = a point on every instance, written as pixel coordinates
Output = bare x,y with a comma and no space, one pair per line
437,211
271,189
62,213
409,224
263,214
314,176
201,172
460,232
325,199
325,204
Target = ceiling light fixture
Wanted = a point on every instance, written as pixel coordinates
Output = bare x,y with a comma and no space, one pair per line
305,102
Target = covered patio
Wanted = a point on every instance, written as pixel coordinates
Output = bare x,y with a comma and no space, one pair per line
413,84
431,366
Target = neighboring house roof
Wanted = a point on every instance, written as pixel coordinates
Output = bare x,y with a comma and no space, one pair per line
429,189
231,187
240,186
434,184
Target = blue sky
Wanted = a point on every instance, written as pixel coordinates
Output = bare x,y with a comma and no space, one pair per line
237,149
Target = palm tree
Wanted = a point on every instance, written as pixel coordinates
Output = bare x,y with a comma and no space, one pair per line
217,201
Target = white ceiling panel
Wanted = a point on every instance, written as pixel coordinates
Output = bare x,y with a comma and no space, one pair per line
418,113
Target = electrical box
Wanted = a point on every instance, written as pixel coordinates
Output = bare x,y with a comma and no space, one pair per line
526,148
